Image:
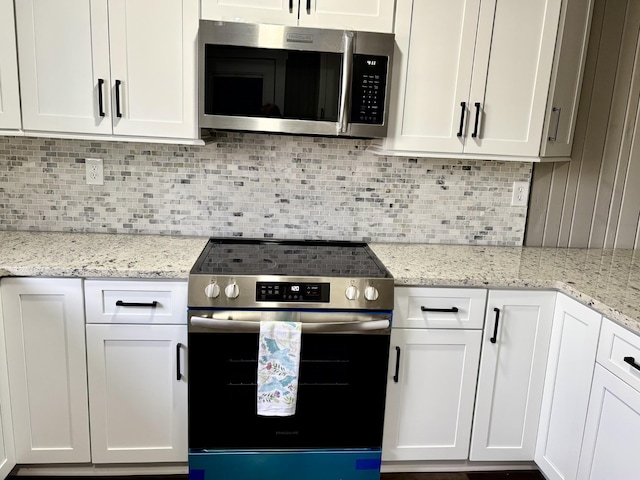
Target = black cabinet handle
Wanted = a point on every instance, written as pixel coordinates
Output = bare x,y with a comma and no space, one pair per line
440,310
397,375
118,111
494,339
632,361
120,303
308,7
179,374
475,128
100,99
290,6
464,108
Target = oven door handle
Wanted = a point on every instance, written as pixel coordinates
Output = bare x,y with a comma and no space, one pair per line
249,326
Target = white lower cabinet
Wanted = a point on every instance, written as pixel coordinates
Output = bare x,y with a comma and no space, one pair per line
511,376
7,451
430,399
138,393
432,373
572,355
610,445
46,356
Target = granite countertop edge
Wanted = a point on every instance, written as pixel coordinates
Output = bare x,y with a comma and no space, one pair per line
612,290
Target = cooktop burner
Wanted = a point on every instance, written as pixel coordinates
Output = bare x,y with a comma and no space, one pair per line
288,258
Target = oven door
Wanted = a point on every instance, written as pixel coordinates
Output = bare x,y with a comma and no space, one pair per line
341,389
340,402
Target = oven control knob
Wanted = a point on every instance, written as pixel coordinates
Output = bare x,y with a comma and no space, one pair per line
371,293
232,290
352,292
212,290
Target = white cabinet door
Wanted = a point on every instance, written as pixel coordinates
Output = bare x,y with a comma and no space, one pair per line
430,402
44,326
511,378
511,72
153,67
610,444
278,12
566,79
137,393
432,69
7,451
9,91
363,15
63,51
572,356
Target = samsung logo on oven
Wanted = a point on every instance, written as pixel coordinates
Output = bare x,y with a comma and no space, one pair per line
291,432
299,38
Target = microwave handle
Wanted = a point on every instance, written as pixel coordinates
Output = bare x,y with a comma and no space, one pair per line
347,73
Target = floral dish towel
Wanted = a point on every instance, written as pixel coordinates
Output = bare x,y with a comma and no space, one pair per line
278,365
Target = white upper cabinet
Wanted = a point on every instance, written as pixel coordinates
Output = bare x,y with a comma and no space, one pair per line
365,15
470,77
116,67
64,65
153,57
9,91
566,80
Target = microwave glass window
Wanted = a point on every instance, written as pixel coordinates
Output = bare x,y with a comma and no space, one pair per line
290,84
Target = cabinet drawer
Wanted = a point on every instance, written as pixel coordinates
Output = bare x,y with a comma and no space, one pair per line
136,301
616,344
425,307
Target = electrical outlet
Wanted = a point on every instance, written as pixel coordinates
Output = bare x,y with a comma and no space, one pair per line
95,173
520,195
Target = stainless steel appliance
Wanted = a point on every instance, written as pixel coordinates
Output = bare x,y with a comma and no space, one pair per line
273,78
343,296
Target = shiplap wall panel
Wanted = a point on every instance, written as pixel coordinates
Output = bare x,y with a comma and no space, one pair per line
599,114
617,124
594,201
560,175
624,157
588,91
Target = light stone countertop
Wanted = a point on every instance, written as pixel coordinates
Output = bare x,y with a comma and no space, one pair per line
44,254
606,280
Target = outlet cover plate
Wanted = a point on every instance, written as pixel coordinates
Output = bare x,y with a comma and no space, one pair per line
520,196
95,173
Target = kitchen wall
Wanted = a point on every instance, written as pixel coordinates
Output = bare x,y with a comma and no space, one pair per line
255,185
593,201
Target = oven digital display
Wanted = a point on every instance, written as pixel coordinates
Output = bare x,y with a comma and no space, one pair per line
292,292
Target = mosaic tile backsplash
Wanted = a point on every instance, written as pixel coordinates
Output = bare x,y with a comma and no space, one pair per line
263,186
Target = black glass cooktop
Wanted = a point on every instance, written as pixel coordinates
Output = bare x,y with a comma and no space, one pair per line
288,258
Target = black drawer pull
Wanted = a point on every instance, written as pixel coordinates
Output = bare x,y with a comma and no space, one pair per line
397,375
120,303
290,6
100,99
118,111
308,7
179,374
440,310
475,127
464,108
494,339
632,361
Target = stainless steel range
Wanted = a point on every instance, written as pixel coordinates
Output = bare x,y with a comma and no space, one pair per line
341,296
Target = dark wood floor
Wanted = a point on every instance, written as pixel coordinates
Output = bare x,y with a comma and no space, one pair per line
516,475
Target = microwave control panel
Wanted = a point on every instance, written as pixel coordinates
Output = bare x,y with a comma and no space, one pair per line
368,88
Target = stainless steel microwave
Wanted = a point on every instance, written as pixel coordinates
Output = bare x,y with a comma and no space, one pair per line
272,78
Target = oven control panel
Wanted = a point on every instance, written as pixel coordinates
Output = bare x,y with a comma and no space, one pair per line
292,292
